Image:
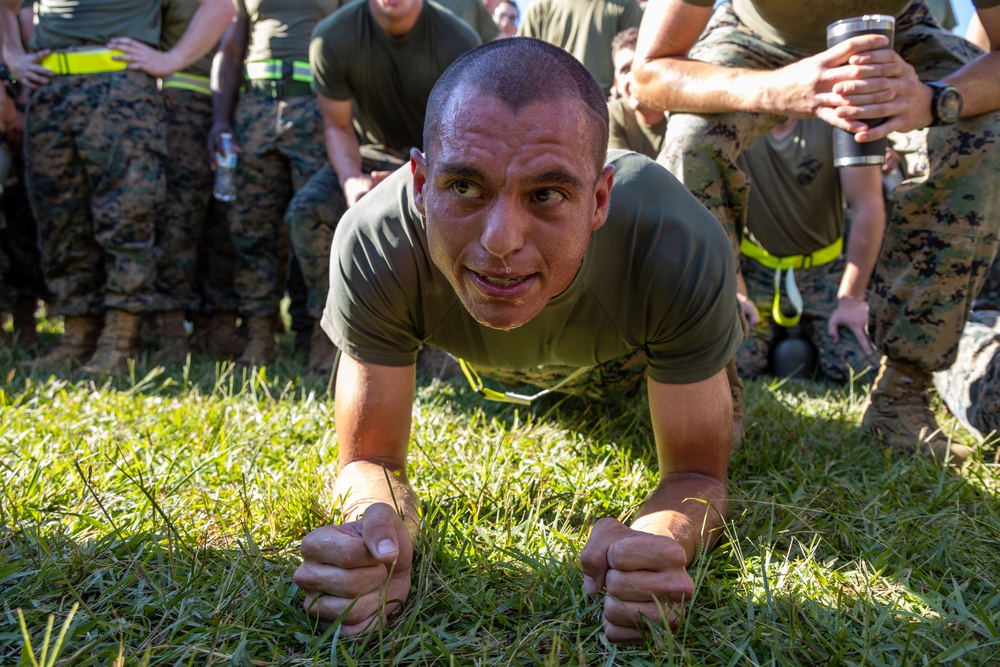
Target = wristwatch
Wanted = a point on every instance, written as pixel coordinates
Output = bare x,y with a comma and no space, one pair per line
946,104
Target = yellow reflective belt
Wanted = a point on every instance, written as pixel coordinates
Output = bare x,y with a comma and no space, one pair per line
790,263
271,70
193,82
477,385
97,61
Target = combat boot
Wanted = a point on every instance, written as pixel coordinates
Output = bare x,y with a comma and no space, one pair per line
898,412
25,327
174,346
322,353
260,349
227,338
77,343
119,342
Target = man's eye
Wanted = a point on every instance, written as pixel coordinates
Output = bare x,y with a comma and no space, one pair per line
465,189
547,196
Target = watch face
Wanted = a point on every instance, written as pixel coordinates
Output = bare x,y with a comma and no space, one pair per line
949,105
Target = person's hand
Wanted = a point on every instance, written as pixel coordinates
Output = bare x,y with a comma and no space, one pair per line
214,143
643,576
883,86
360,570
145,58
808,87
356,187
893,161
749,309
27,69
851,314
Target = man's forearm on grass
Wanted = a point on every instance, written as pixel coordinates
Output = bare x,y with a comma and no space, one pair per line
687,507
361,484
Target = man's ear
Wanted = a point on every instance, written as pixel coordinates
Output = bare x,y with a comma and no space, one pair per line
602,197
418,167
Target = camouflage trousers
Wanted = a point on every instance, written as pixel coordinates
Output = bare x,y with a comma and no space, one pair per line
282,147
95,147
838,361
611,380
20,255
971,387
942,234
312,218
189,189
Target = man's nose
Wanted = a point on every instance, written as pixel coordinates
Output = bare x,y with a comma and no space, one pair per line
504,227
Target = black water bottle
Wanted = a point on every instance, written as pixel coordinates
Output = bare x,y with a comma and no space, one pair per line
794,357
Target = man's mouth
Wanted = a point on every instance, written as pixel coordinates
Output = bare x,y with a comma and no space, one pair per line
501,282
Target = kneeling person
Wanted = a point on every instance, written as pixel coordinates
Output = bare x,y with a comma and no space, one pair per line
515,242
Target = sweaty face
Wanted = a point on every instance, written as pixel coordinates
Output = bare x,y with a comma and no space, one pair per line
510,201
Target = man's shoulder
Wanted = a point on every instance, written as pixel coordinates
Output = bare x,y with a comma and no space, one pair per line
455,27
343,21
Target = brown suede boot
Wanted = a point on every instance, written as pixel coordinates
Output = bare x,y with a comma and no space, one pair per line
25,327
77,343
322,353
260,349
898,412
228,339
174,346
119,342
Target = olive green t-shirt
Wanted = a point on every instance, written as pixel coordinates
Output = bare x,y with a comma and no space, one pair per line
796,203
388,79
65,24
628,133
658,276
281,29
176,16
585,28
801,24
474,13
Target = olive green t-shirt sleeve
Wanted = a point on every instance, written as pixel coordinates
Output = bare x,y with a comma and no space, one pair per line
986,4
328,56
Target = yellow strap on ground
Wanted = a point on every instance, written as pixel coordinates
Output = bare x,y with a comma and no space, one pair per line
192,82
84,62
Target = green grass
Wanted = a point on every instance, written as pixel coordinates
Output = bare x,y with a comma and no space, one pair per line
169,507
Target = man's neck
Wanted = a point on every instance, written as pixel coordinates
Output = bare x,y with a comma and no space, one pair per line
397,28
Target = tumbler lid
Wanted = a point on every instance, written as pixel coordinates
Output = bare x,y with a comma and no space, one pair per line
860,24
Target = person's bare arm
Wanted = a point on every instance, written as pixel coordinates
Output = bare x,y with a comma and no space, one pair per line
667,79
862,188
904,100
634,564
202,34
362,566
343,149
25,66
227,77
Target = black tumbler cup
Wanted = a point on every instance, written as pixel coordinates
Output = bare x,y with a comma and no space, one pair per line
846,151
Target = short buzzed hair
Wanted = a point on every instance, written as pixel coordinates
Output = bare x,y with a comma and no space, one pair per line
626,39
520,71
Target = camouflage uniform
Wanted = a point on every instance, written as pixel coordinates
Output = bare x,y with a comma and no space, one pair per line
282,147
312,217
96,183
189,188
941,237
19,241
818,285
971,387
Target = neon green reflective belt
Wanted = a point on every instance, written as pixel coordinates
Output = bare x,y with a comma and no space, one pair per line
270,70
94,61
193,82
790,263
